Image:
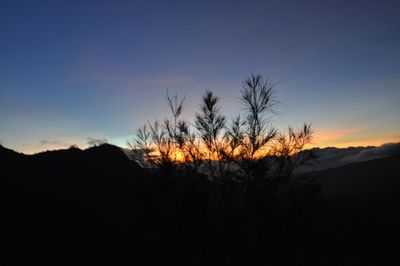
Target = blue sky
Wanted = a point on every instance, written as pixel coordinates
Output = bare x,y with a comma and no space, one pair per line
73,70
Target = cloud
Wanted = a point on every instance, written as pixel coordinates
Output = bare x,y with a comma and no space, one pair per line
45,142
370,153
43,145
335,157
96,141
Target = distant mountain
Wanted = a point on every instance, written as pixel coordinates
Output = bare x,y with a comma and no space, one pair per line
70,173
69,203
99,160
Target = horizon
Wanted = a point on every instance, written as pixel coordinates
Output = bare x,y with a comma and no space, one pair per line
88,146
84,73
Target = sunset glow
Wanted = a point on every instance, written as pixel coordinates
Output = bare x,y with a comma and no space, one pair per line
103,70
246,132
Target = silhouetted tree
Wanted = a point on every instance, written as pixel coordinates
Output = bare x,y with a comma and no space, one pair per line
210,123
190,145
140,146
247,153
248,138
288,148
159,144
288,153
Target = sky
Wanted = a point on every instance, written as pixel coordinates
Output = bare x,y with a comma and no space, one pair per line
74,72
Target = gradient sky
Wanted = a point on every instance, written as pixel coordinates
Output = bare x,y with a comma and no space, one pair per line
74,71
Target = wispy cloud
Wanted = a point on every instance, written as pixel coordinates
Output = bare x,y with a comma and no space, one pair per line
335,157
44,144
370,153
96,141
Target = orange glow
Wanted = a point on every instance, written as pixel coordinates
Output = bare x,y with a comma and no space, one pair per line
369,142
175,155
351,137
178,156
32,149
340,138
324,138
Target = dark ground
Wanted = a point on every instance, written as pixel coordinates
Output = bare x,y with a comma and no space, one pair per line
98,207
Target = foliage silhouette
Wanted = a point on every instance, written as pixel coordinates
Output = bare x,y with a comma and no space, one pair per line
242,159
98,206
210,124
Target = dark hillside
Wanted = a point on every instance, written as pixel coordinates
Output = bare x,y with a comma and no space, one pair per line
366,184
359,224
96,206
58,204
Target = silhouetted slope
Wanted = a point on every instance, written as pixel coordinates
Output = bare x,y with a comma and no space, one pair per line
358,224
101,158
8,156
96,206
69,204
371,183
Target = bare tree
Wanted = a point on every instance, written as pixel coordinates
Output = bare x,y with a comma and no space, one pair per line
176,107
289,155
210,123
242,149
190,144
185,141
158,144
248,138
140,146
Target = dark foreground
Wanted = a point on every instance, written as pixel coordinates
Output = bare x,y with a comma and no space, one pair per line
96,206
